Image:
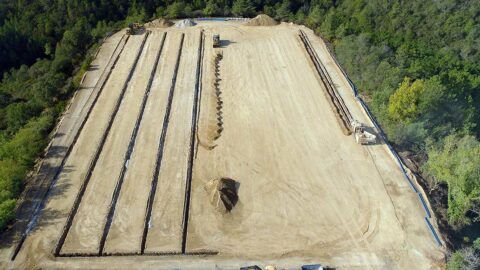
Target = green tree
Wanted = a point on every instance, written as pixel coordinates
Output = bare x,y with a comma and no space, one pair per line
211,9
7,212
403,105
136,14
330,24
284,10
175,10
243,8
456,261
457,163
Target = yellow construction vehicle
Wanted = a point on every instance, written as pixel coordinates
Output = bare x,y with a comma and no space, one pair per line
134,28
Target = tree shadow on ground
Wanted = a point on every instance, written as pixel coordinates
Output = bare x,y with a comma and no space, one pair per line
93,67
56,151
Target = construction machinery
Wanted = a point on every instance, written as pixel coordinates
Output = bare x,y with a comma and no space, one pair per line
216,41
362,136
134,28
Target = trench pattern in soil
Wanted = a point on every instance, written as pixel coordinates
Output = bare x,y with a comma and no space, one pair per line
218,94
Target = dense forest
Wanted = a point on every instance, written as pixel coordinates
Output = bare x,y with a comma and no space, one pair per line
415,63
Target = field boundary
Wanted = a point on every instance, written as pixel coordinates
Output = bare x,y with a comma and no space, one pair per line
161,144
93,162
419,191
99,85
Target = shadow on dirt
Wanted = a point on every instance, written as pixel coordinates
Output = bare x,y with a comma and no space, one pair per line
224,43
93,67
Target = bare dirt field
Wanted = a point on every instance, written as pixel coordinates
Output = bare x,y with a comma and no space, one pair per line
132,191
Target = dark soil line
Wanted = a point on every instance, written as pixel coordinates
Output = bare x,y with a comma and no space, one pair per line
100,84
161,144
137,254
92,164
131,145
339,107
186,205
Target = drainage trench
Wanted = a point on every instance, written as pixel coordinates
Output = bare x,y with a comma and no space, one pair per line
99,85
135,254
131,145
335,99
186,207
92,164
161,144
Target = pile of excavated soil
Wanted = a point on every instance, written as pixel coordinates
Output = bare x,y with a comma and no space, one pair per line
223,194
159,23
262,20
185,23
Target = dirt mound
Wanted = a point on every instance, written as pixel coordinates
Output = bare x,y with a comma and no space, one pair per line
223,194
159,23
262,20
185,23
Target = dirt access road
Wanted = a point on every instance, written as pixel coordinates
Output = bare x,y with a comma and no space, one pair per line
307,193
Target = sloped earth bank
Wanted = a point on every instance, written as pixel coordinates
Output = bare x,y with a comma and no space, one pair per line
306,193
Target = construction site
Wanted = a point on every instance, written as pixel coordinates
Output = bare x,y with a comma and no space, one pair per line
219,144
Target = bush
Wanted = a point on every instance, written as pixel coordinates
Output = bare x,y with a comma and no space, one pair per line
456,261
175,10
403,105
6,212
456,161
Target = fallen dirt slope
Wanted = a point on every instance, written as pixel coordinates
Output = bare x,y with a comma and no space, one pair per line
159,23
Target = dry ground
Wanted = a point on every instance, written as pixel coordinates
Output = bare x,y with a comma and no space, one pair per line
307,193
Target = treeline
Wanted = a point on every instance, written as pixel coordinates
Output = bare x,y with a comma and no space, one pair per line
415,63
43,48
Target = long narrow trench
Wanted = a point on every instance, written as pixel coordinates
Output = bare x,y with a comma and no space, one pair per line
92,164
335,99
161,145
131,145
193,131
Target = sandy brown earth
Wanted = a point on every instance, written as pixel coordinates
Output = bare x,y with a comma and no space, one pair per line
307,193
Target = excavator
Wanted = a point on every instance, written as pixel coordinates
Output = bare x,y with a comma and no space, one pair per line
216,41
134,28
362,136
